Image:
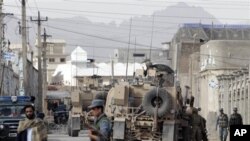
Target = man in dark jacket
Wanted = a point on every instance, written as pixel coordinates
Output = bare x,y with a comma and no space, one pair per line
235,118
197,125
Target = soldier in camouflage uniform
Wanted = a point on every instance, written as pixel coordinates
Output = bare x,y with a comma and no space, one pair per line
222,122
31,128
101,122
197,126
235,118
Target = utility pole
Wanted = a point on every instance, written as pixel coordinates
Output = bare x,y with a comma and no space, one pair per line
128,50
44,67
23,69
39,46
152,33
2,15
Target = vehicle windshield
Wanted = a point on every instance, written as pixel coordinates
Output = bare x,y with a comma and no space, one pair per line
11,111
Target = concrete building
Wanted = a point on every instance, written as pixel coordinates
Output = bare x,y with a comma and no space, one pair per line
139,55
55,54
234,92
74,71
218,57
190,37
200,53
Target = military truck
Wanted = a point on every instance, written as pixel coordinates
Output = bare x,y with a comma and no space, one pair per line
61,114
11,112
80,100
150,108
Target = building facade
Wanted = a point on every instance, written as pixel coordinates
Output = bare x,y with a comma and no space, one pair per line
233,92
55,55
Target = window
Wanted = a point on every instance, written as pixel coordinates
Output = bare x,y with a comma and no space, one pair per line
51,59
51,49
62,60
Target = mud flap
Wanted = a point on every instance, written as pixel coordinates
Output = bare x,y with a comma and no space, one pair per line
119,128
169,131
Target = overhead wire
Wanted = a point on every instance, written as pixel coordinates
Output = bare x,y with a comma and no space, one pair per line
99,37
137,44
105,17
36,5
132,14
182,51
142,45
150,5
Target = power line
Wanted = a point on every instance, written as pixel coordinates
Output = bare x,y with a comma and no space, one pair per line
36,5
105,17
150,5
132,14
136,44
149,46
99,37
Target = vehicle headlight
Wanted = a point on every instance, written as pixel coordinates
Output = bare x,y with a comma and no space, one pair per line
1,127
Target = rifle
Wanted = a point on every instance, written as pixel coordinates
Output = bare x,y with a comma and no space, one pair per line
85,121
94,130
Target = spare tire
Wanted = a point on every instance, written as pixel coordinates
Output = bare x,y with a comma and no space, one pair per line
150,99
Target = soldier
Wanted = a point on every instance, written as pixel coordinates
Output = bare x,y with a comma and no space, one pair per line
204,130
235,118
222,122
101,123
197,126
31,128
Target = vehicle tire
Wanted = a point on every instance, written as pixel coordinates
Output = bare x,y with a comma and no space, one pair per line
75,133
149,100
69,128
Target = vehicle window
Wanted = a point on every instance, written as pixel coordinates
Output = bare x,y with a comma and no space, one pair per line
11,111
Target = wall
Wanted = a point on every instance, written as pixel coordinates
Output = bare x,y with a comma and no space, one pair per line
9,82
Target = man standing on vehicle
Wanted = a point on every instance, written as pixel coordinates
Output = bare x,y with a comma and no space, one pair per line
101,123
31,128
222,122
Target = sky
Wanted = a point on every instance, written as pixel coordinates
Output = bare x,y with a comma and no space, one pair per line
232,11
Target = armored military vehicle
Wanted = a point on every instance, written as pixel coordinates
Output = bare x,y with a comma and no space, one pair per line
11,112
80,100
148,109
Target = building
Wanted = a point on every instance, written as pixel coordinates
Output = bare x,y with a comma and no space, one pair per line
190,37
159,55
55,54
218,57
79,67
200,53
234,92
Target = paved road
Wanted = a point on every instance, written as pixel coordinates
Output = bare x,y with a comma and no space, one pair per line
63,137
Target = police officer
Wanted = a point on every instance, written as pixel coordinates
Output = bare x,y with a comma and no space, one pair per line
197,126
235,118
222,122
101,122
